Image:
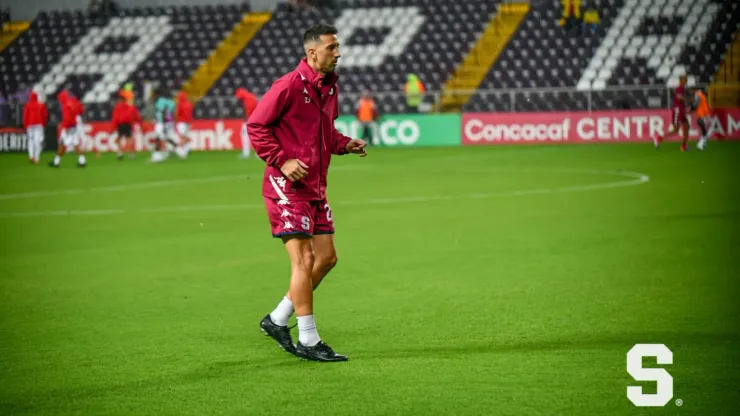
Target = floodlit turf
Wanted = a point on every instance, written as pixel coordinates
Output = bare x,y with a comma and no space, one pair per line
489,280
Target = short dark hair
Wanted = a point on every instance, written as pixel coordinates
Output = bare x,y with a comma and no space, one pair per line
314,33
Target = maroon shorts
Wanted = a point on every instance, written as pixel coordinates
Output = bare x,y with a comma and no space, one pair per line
299,217
679,116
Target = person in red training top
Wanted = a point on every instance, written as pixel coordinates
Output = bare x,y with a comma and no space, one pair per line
69,138
183,117
125,115
292,130
249,102
35,116
679,116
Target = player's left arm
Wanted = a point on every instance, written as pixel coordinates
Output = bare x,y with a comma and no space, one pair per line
344,144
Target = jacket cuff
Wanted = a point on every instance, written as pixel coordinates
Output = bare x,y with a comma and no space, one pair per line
280,159
342,148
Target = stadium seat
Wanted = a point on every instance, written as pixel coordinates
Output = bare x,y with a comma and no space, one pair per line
654,41
381,43
58,39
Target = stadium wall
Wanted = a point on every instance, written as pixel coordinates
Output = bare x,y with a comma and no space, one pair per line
425,130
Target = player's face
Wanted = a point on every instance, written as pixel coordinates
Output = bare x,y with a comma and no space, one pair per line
326,54
682,80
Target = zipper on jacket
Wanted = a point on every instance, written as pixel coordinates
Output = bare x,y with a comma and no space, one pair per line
321,139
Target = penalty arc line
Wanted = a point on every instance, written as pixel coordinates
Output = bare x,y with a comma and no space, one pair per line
635,179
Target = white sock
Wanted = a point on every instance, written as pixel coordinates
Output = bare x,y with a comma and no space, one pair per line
81,160
57,159
282,313
307,333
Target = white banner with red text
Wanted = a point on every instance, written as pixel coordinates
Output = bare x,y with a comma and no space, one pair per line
586,127
205,135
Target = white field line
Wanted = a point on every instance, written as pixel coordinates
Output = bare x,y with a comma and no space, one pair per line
634,179
116,188
147,185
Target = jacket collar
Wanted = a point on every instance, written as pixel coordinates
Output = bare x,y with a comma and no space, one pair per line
314,78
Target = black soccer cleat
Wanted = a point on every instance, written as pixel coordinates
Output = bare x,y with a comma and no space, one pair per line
281,334
52,165
319,352
81,165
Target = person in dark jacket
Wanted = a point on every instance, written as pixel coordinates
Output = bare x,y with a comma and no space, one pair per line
292,130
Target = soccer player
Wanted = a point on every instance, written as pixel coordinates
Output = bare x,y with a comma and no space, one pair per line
69,138
184,117
164,112
125,115
679,119
701,107
249,102
35,116
292,130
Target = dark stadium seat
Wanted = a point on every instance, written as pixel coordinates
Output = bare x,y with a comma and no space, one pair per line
426,37
653,41
64,39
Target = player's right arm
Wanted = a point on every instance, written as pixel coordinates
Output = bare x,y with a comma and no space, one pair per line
260,129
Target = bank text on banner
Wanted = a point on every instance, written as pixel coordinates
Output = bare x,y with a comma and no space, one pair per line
584,127
206,135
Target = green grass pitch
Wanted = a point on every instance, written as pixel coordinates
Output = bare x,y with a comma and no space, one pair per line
486,281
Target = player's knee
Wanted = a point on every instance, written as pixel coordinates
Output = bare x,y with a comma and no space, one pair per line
329,262
305,260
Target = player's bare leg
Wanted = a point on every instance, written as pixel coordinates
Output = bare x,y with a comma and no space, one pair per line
58,157
673,130
325,258
121,143
304,267
131,148
685,141
300,295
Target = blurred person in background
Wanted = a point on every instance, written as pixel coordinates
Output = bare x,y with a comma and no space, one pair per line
701,107
125,115
591,21
127,92
184,117
69,138
679,116
249,103
35,116
571,17
414,90
164,127
367,115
